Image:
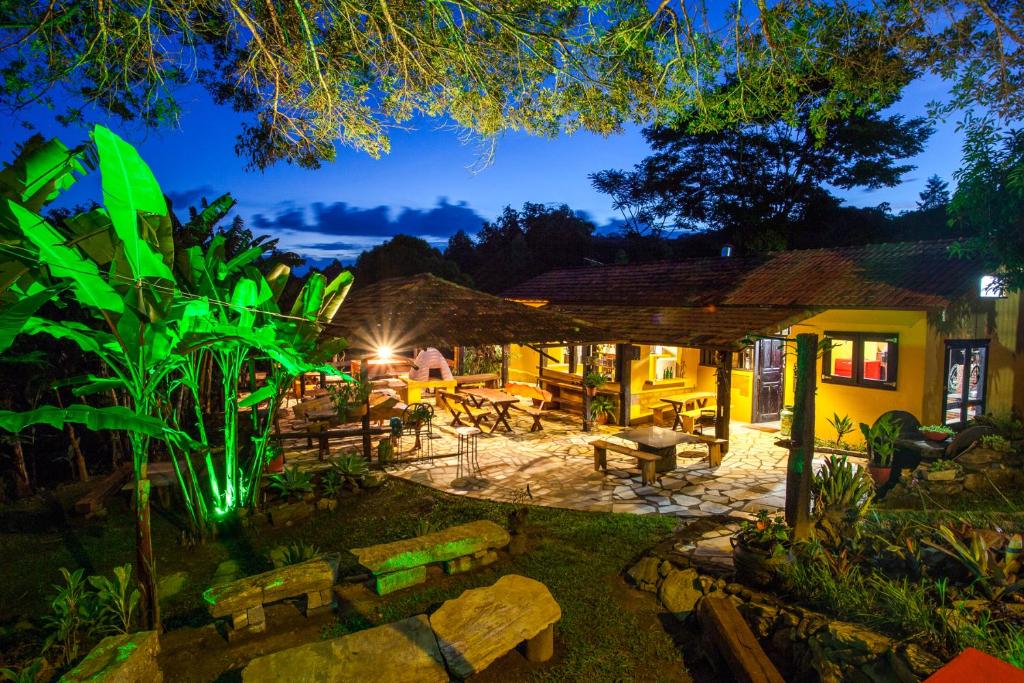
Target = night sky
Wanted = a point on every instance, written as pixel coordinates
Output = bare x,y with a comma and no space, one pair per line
430,185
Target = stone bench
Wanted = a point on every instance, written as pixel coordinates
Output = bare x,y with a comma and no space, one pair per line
122,658
463,637
484,624
404,563
243,600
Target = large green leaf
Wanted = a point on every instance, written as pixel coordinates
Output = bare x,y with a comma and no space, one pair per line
88,339
259,396
128,188
335,295
87,284
40,172
92,232
15,316
109,418
307,304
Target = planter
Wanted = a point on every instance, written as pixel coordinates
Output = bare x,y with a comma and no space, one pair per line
880,474
934,436
276,465
591,391
786,420
753,565
601,419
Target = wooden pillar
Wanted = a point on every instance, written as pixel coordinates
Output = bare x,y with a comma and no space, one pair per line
364,379
504,364
624,373
460,357
801,442
588,367
723,384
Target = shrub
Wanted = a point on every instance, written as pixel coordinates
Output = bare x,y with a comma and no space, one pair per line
843,426
881,439
1008,426
349,468
118,598
996,442
292,483
298,552
765,533
842,494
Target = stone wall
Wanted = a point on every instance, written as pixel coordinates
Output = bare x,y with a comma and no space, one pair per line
796,639
983,471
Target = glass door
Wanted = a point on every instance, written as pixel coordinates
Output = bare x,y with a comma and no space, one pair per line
965,379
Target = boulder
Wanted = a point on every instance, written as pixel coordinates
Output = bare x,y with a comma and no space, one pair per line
394,653
761,617
680,592
289,513
484,624
645,574
921,662
842,635
127,658
456,541
306,577
170,585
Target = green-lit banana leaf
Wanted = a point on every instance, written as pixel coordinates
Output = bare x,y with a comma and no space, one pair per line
335,295
93,418
88,339
128,188
259,396
278,279
211,215
41,171
88,285
91,384
307,304
242,260
14,316
93,232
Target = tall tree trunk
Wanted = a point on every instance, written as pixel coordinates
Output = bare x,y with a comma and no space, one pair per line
81,471
145,563
22,484
723,396
801,447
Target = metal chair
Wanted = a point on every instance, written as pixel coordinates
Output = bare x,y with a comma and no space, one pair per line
707,418
418,421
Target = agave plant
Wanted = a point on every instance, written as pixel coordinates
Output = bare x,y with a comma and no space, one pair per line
350,468
842,495
298,552
292,483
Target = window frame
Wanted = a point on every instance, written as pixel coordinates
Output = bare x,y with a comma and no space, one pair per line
858,339
966,345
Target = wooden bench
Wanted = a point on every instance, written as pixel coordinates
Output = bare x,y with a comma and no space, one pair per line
243,600
728,634
536,395
646,461
404,563
459,408
323,436
715,447
484,624
485,379
92,502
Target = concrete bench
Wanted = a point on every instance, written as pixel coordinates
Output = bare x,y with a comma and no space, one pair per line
484,624
647,461
243,600
124,657
404,563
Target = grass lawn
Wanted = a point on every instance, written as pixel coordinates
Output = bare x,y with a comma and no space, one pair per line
608,631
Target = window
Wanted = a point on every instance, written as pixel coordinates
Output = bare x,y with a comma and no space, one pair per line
861,359
964,395
741,360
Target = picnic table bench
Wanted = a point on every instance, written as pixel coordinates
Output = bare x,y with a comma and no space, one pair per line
483,379
92,502
647,461
461,408
404,563
683,415
501,402
536,395
243,600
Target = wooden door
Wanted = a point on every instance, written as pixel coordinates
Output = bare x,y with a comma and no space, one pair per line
769,374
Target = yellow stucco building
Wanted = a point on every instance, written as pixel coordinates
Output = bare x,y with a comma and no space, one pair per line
908,328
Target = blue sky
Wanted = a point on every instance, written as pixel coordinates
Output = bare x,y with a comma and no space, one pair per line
430,184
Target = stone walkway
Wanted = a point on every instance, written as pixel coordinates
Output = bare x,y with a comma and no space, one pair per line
555,468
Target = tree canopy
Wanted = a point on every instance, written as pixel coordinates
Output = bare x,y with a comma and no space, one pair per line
761,185
311,73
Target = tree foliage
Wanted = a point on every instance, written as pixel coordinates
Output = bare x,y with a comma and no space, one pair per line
401,256
311,73
760,185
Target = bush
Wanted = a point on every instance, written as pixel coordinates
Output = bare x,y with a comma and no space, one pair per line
292,483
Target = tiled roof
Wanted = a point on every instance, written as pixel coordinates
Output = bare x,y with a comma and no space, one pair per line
425,310
905,275
722,327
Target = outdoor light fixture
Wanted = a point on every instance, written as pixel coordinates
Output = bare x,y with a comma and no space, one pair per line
991,288
385,353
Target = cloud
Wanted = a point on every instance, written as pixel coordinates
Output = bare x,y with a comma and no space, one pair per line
183,199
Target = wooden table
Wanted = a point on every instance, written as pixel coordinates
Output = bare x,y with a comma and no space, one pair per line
659,441
501,401
679,404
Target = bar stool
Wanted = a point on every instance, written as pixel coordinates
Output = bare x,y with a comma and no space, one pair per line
468,450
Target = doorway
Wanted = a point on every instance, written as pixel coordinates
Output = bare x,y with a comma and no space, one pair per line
965,380
769,378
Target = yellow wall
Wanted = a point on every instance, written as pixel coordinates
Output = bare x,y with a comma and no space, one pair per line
522,364
914,372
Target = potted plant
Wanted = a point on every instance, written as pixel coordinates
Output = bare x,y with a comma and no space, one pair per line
602,409
936,432
275,459
881,444
417,416
759,549
995,442
942,470
593,381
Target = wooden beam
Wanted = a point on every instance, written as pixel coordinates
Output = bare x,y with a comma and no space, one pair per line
801,442
723,384
624,372
504,364
543,354
725,628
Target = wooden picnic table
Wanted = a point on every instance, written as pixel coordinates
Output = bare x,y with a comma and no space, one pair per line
680,406
501,401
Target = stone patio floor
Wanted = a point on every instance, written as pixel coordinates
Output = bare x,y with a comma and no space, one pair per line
555,468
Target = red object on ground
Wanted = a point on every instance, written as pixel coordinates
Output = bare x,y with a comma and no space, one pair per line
974,666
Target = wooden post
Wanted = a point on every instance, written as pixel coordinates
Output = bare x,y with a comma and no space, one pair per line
588,367
723,383
504,364
624,359
145,564
364,379
801,445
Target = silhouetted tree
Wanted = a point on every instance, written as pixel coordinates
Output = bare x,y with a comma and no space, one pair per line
935,194
401,256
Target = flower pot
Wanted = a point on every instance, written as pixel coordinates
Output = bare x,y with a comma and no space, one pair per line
276,464
880,474
601,419
754,566
591,391
935,436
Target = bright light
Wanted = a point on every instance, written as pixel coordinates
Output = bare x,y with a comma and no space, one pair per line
385,352
991,288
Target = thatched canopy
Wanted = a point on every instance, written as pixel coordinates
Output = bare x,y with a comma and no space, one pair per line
425,310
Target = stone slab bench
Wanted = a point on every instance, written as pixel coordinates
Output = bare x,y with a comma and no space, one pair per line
243,600
405,650
404,563
125,658
484,624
